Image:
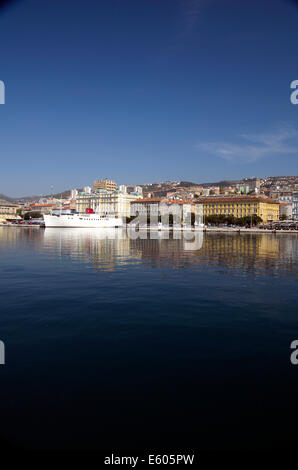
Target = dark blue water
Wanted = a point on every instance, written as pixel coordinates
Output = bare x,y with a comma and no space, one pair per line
143,343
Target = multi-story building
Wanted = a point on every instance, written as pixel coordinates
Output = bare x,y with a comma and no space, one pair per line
108,185
104,202
254,184
286,198
138,190
146,206
286,210
295,206
7,211
160,206
241,206
73,193
243,188
42,208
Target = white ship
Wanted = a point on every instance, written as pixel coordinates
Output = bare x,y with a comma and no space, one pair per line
82,221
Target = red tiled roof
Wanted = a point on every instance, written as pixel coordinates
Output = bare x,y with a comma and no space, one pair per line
178,201
42,205
148,199
160,199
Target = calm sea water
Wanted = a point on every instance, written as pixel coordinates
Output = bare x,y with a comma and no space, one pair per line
143,343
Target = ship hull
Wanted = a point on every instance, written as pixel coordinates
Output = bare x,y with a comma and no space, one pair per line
82,221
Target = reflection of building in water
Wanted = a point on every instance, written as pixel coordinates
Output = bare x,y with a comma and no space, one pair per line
104,248
249,252
244,245
12,235
288,247
108,249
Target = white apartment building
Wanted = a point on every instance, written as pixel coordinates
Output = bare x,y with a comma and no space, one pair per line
295,206
159,206
73,193
110,203
288,206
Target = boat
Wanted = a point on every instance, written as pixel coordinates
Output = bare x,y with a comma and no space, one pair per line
88,220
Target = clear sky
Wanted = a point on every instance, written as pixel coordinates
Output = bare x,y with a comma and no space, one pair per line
146,90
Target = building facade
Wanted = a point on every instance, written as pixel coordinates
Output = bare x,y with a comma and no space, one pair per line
146,206
286,210
295,206
240,206
7,211
44,209
108,185
115,203
160,206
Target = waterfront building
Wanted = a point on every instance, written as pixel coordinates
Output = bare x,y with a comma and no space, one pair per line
87,190
160,206
44,209
286,210
108,185
145,206
7,211
241,206
102,202
295,206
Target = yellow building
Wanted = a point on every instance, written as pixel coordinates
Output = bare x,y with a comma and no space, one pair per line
108,185
103,202
241,206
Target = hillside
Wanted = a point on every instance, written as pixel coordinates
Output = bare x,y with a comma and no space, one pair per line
6,198
163,187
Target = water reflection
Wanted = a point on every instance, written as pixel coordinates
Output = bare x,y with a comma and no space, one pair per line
110,249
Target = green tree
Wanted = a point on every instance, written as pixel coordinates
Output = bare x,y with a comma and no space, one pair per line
32,215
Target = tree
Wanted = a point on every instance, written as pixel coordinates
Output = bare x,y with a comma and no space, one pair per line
248,220
32,215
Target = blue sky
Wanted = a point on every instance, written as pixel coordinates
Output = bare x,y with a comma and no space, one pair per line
146,90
